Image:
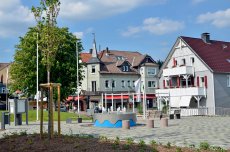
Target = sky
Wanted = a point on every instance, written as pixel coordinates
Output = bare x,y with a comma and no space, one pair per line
148,26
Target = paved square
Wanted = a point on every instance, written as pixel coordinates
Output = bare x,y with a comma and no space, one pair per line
181,132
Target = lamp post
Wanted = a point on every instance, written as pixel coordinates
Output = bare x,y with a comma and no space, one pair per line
37,96
78,102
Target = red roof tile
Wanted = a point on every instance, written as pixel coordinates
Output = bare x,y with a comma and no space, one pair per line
85,57
215,54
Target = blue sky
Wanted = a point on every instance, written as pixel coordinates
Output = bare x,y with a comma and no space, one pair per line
148,26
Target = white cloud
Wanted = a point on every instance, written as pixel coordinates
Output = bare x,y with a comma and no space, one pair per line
131,31
219,19
197,1
88,9
155,26
15,18
79,34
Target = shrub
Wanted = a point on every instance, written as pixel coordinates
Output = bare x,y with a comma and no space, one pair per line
178,149
204,146
129,141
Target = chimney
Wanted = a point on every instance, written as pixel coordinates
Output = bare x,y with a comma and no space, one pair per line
107,49
205,37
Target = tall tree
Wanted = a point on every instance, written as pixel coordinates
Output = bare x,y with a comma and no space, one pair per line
23,69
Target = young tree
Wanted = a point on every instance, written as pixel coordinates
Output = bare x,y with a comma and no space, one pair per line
49,37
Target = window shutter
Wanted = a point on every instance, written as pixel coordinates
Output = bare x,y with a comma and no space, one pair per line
170,83
163,83
198,81
205,82
178,81
192,81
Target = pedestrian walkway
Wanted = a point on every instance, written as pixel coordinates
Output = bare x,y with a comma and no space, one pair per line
181,132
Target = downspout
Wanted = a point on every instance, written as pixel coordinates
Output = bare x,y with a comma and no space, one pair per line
214,94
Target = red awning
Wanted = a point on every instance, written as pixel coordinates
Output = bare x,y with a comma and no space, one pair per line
74,98
109,97
148,96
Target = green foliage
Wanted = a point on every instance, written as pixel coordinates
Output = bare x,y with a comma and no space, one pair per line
23,69
168,145
140,108
117,141
218,149
142,143
204,146
160,63
178,149
153,142
103,138
129,141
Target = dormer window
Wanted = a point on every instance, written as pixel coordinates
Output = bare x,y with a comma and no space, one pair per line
125,68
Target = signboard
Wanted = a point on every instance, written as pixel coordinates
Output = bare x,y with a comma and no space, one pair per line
21,106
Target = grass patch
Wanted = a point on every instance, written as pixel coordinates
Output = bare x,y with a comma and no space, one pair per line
32,116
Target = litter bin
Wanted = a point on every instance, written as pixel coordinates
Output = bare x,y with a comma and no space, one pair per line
5,119
177,116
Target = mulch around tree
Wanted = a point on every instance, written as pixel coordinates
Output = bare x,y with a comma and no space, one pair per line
32,143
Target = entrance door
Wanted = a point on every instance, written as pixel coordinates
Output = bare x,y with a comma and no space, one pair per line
94,86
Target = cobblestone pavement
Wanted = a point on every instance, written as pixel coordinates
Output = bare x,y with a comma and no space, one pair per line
181,132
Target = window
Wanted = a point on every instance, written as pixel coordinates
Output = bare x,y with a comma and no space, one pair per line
125,68
192,60
106,83
134,84
151,84
113,84
151,71
228,80
129,84
183,62
93,69
122,83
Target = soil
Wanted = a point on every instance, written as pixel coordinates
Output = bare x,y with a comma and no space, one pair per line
80,143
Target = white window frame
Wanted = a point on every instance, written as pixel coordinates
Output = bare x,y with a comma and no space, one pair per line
153,85
93,67
150,72
123,83
228,80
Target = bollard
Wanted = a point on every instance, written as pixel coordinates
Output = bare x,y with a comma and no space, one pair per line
125,124
164,122
79,120
150,123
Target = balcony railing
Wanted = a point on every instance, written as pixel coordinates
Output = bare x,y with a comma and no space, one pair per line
191,91
178,71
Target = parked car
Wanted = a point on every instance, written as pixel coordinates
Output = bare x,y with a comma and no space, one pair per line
63,109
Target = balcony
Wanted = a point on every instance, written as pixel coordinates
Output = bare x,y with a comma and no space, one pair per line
188,70
191,91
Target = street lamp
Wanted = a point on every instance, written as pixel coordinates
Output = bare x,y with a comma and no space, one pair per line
78,102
